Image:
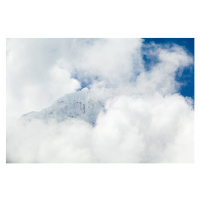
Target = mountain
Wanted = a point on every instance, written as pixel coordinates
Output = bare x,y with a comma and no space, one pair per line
81,104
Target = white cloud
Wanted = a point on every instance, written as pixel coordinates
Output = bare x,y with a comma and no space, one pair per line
145,119
146,129
35,78
134,129
161,78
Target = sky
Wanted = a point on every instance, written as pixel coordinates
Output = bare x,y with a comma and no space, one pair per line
148,86
187,76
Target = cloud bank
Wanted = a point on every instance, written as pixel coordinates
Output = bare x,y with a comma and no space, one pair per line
146,119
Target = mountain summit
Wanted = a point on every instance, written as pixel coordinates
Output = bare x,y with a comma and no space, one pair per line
81,104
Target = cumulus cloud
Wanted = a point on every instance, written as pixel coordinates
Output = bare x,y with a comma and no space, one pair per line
145,119
134,129
35,78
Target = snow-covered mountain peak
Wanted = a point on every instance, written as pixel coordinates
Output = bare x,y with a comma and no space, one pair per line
80,104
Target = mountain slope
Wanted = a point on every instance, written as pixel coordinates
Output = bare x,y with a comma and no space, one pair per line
80,105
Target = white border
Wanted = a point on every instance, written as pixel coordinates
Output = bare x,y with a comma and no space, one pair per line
99,19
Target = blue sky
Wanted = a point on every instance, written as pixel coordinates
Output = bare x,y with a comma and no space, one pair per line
187,77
